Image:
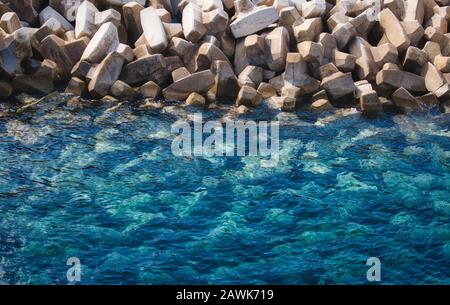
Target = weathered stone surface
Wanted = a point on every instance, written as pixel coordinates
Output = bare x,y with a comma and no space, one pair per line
397,7
288,16
215,21
327,70
337,18
91,72
443,11
193,27
142,70
405,101
428,100
343,33
248,96
266,90
322,94
364,22
414,30
85,20
414,10
110,15
132,19
211,96
51,26
226,82
227,43
105,40
122,90
56,51
311,51
197,82
279,4
47,69
431,34
33,85
106,74
291,91
240,58
321,105
328,43
284,103
210,5
206,54
385,53
81,69
437,22
212,40
442,63
277,47
251,76
153,29
432,49
443,92
397,79
180,73
393,29
75,48
5,8
6,89
296,75
307,30
251,19
255,48
366,68
25,9
142,51
76,86
185,50
49,12
65,8
126,52
277,82
338,85
173,62
173,30
343,61
368,99
195,99
10,22
149,90
314,8
414,60
434,79
241,110
163,14
122,2
268,74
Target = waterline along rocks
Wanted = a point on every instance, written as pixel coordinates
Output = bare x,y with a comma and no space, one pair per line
376,55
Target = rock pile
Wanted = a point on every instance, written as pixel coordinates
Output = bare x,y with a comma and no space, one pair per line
377,54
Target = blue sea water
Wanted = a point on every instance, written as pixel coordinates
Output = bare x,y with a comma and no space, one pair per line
105,187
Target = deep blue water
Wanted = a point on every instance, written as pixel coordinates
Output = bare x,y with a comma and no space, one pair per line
105,187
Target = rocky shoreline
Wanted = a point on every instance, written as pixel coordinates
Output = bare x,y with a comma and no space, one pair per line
390,55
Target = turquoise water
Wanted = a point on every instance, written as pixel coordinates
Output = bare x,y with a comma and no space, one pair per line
105,187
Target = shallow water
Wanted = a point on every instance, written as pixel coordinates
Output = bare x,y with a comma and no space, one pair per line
105,187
